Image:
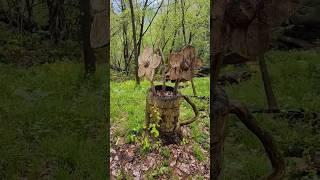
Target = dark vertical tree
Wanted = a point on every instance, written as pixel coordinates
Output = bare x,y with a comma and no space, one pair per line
176,29
135,48
271,100
29,9
57,23
145,5
183,23
85,23
125,39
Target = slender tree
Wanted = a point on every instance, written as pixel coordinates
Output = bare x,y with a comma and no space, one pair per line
85,23
57,22
136,54
125,39
271,100
183,22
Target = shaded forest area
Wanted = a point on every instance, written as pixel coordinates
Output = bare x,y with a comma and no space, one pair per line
53,91
242,32
280,91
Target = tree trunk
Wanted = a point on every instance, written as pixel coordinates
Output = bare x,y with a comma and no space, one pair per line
57,24
125,40
85,21
182,22
176,29
217,113
272,102
29,8
134,43
142,25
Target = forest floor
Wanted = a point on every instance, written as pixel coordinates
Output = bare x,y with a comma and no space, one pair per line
295,79
130,158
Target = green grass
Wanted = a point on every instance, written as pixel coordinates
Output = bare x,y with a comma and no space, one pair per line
52,121
128,104
295,81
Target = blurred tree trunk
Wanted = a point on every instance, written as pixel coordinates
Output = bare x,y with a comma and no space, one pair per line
183,23
176,29
219,101
57,23
85,22
272,102
145,5
136,54
125,40
29,8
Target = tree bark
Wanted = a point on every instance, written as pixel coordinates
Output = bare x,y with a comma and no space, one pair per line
85,22
272,102
134,43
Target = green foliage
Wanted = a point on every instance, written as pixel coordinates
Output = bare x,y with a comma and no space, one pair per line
165,152
293,77
165,28
159,172
146,144
198,152
154,121
52,120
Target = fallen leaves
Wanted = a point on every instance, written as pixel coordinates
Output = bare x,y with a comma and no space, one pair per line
127,159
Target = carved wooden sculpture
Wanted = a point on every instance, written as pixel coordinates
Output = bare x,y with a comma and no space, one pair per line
164,98
249,25
241,28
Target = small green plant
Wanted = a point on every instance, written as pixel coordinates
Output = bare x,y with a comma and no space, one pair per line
133,134
184,141
165,152
159,172
146,144
154,121
198,152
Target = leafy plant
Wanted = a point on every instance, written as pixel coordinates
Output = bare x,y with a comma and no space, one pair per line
146,144
155,119
165,152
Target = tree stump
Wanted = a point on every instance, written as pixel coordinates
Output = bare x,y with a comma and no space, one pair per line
168,104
